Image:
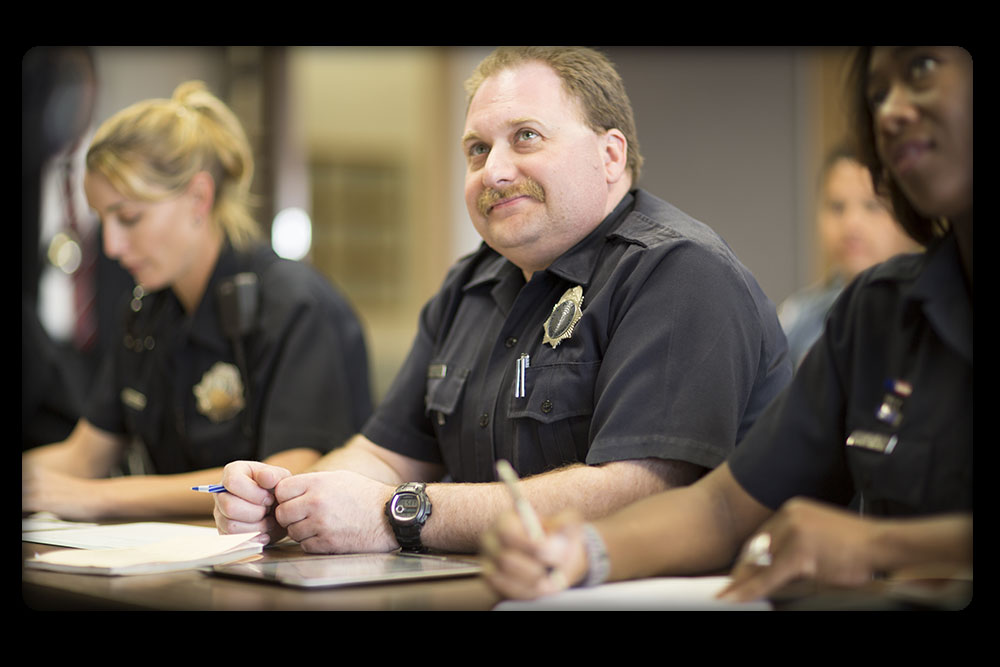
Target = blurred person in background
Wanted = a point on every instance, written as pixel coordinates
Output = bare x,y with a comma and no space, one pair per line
58,88
856,230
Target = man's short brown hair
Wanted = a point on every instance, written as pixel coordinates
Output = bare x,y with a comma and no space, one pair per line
586,74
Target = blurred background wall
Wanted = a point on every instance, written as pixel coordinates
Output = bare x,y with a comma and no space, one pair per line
366,141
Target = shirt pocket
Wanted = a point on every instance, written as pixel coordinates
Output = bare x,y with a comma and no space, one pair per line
891,483
552,420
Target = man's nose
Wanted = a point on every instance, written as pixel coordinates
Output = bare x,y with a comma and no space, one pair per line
500,169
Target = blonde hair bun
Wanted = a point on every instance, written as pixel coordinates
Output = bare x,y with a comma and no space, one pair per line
154,148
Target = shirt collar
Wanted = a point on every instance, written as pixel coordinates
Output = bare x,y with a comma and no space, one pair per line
941,290
578,264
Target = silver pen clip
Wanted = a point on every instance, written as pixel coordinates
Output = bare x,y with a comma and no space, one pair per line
519,376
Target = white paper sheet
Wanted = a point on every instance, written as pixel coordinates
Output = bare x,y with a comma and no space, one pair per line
118,536
178,553
49,521
658,594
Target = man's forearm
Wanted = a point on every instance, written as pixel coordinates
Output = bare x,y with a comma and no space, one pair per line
463,512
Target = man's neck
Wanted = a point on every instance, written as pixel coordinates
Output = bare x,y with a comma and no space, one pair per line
616,193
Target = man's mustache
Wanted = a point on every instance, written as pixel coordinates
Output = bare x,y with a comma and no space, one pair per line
490,197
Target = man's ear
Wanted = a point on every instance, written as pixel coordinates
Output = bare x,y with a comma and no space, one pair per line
615,153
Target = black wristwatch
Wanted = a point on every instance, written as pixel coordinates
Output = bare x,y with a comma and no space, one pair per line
408,509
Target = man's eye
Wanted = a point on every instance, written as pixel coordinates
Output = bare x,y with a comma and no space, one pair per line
526,135
478,149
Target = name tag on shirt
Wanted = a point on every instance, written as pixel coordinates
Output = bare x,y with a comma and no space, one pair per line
877,442
133,399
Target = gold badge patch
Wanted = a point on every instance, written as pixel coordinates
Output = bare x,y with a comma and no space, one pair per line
565,314
220,392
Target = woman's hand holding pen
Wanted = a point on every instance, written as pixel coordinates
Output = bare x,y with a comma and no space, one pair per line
520,567
249,502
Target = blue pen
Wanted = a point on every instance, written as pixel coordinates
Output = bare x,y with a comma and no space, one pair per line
211,488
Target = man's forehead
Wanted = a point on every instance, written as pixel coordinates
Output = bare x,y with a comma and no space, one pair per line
526,91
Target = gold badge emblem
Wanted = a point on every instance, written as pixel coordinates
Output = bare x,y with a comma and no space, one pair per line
565,314
220,392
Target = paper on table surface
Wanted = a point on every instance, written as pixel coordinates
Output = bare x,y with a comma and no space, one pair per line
658,594
49,521
116,536
176,550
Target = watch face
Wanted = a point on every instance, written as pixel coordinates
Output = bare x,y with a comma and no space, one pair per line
405,507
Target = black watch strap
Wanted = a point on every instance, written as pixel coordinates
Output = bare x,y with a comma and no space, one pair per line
409,537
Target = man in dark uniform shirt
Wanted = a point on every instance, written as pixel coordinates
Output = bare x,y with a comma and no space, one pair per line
605,343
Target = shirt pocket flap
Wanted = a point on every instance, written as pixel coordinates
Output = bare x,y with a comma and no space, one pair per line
556,392
444,388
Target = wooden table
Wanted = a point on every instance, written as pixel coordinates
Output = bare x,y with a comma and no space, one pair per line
195,590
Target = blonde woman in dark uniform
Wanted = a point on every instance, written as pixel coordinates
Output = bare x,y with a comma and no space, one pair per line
226,352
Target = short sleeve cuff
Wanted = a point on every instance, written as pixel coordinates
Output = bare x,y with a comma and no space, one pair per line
697,452
413,444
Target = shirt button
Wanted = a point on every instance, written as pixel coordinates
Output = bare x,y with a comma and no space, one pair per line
546,406
510,342
484,420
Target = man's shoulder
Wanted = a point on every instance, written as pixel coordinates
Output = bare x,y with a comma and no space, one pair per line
657,229
655,223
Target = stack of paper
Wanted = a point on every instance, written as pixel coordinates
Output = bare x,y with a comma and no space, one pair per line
144,548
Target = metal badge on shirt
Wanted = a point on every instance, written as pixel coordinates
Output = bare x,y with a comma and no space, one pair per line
565,314
220,392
